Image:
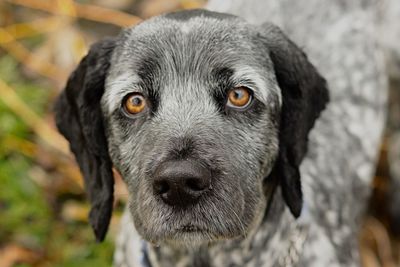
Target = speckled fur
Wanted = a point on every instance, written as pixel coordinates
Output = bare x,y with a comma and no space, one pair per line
344,40
188,123
183,51
153,58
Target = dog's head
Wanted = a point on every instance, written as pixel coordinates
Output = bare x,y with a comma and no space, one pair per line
196,110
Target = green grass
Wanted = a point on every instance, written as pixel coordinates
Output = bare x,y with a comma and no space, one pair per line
27,216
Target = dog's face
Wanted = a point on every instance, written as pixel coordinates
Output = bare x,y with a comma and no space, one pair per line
195,109
187,73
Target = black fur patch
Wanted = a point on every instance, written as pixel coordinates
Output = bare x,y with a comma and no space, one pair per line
304,95
79,119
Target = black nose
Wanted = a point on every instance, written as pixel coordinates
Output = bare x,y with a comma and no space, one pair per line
181,183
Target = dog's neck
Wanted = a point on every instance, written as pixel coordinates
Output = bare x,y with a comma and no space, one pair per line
262,247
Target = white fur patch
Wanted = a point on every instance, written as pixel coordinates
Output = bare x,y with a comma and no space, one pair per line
186,28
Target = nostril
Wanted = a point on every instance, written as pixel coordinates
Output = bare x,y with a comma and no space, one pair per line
161,187
195,184
181,183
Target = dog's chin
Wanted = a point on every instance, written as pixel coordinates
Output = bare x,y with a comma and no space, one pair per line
189,239
191,236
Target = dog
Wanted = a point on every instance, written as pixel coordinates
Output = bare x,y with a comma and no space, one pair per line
207,118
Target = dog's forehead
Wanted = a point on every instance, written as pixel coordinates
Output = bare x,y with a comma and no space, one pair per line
187,47
202,21
188,34
219,39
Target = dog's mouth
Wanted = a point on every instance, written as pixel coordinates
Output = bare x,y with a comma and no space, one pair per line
191,235
192,231
210,217
190,228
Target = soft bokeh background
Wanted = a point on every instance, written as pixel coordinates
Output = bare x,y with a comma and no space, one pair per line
43,211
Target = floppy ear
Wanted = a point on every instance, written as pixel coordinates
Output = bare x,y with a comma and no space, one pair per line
79,119
304,95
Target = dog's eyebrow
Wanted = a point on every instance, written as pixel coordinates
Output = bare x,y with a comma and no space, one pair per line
263,83
117,88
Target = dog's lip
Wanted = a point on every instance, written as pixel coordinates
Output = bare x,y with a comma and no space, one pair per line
190,228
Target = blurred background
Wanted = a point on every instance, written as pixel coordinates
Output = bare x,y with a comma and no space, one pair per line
43,211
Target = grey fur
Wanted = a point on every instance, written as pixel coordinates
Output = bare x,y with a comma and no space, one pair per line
345,40
241,150
184,55
179,61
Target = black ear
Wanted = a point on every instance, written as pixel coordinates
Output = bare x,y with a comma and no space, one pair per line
304,95
79,119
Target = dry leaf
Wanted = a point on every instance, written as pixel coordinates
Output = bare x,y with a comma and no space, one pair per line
13,254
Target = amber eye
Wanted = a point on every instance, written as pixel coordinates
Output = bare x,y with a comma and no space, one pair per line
134,103
239,97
